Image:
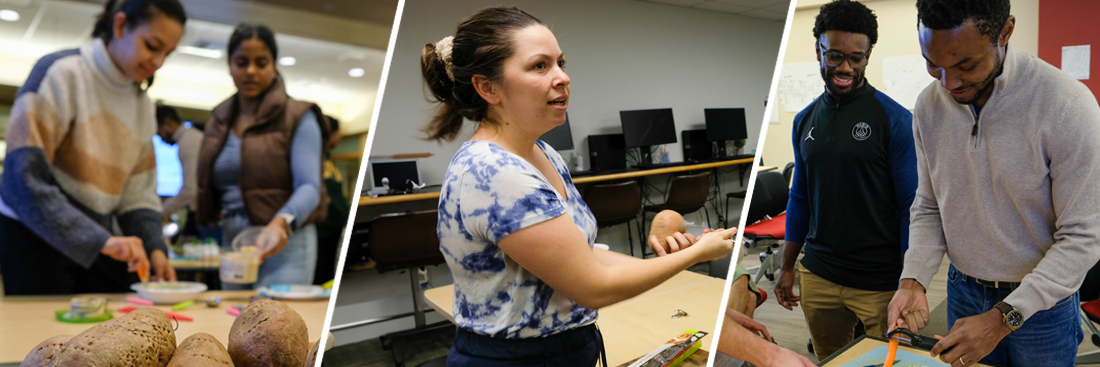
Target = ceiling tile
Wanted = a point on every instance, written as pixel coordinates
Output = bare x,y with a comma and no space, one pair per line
754,4
722,7
779,8
767,14
679,2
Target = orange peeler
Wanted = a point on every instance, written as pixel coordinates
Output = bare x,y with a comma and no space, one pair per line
899,335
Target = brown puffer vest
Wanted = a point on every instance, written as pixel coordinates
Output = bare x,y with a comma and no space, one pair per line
265,178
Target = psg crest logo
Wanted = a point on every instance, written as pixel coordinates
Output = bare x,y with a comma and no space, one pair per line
861,131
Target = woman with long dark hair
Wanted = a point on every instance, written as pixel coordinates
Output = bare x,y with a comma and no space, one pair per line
80,158
260,163
513,228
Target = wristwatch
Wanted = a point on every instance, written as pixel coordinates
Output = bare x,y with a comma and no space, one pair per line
1012,317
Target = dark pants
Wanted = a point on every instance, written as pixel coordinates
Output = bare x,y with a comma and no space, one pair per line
578,347
1048,338
31,266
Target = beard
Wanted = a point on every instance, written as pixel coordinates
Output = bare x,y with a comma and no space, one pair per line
832,89
986,84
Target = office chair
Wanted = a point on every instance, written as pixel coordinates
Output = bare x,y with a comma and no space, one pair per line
771,230
406,241
1090,313
788,172
686,194
614,204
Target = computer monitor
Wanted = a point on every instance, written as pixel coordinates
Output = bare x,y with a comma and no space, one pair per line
561,138
725,124
646,128
643,128
399,172
169,169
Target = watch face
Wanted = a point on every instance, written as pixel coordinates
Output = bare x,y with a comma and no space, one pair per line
1014,319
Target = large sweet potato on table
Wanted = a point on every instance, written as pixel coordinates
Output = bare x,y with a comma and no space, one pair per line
42,354
201,350
142,338
268,334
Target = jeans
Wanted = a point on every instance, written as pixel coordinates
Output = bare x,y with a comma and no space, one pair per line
294,265
1048,338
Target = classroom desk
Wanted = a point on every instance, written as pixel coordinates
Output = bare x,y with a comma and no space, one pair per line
28,320
864,344
636,326
367,200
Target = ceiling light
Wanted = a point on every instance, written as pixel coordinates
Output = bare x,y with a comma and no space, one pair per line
201,52
357,72
9,15
287,61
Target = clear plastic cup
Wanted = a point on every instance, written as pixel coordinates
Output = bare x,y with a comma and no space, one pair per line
241,265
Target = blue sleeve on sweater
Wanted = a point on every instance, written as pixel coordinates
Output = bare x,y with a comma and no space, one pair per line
305,166
902,157
798,206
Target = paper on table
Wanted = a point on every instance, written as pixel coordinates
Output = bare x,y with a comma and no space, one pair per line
799,84
1075,61
904,77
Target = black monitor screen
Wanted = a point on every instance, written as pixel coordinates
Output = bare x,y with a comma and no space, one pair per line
648,127
399,173
725,124
561,138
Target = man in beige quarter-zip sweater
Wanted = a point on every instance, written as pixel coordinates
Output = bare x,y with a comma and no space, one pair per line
1009,189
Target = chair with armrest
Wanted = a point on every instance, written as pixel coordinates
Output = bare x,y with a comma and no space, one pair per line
686,194
614,204
769,231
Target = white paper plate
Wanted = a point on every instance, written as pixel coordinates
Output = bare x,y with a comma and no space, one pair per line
295,292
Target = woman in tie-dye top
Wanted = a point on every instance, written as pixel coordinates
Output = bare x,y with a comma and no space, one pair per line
513,228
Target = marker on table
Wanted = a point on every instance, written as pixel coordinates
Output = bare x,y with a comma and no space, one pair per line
139,301
233,311
183,305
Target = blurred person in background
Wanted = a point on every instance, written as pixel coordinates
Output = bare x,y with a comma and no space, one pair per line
261,163
172,131
80,159
331,230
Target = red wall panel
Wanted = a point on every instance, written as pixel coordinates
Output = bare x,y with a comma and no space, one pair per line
1071,23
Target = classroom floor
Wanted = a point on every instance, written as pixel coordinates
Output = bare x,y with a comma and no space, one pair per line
789,327
369,353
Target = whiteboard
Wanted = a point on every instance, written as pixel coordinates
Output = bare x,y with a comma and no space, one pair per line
800,84
904,77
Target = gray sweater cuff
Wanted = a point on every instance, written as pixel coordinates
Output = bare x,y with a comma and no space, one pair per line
144,224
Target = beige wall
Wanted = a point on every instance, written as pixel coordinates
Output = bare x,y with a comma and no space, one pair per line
897,30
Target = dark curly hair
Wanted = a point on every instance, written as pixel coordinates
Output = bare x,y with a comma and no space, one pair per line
988,15
847,16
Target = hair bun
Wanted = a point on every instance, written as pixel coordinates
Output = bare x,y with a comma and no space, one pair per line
443,50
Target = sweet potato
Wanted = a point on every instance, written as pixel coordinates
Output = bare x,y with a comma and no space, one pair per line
201,350
313,354
268,334
43,353
665,224
142,338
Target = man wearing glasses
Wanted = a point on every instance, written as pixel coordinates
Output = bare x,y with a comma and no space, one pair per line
854,179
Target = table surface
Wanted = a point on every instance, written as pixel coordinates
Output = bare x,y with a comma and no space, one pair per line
636,326
864,344
367,200
33,318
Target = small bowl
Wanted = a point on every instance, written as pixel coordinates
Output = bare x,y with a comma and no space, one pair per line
169,293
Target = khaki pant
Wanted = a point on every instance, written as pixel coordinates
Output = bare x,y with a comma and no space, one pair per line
832,310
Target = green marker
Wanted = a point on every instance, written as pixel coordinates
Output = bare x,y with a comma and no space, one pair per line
182,305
